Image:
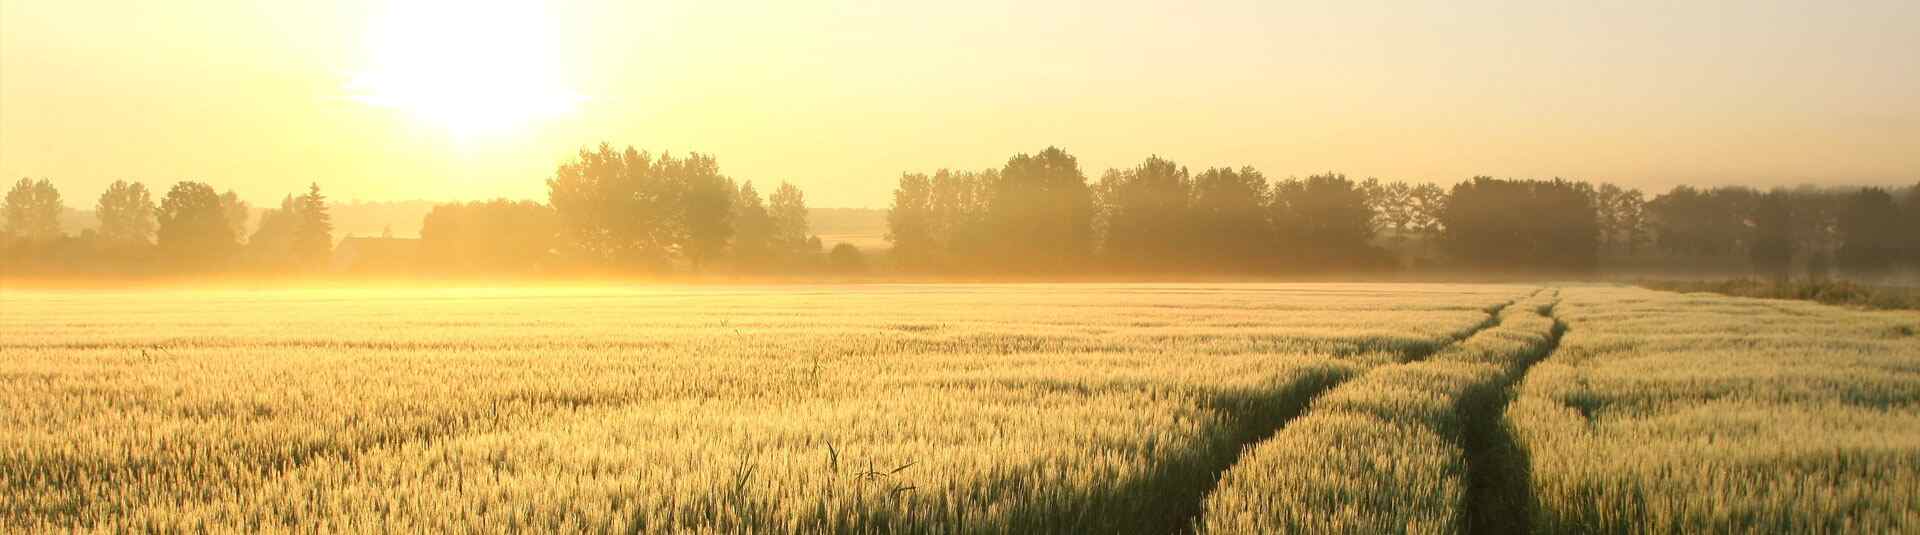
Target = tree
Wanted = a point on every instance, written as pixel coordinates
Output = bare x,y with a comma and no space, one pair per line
311,245
498,236
236,214
1522,225
911,223
1910,211
1630,222
1324,222
1392,205
1815,224
1042,212
1425,203
1772,250
272,242
1711,223
33,210
752,230
1870,233
962,225
615,207
788,214
1620,215
125,211
1229,227
1145,214
192,226
704,200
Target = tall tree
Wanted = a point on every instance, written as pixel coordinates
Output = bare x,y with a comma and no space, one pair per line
1712,223
1772,250
1145,209
1424,205
192,226
311,245
1522,225
272,242
125,211
1870,233
1324,222
614,207
910,222
1393,208
1043,212
1229,228
960,224
236,214
788,213
33,210
704,202
752,230
1911,221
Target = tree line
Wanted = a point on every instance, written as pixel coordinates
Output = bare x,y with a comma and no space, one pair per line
629,211
1040,214
608,211
192,228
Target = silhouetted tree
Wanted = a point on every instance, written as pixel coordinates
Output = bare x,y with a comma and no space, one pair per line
1145,213
1425,204
271,245
33,210
1392,204
1772,250
1870,233
235,211
752,230
1815,223
1229,228
963,230
193,229
1522,225
1042,212
311,245
1910,210
911,222
498,236
615,207
1713,223
1621,215
1324,222
125,211
705,202
942,222
788,214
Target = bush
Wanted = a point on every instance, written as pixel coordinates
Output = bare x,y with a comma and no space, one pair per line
845,258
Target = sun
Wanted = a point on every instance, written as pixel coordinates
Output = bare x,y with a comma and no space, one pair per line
475,68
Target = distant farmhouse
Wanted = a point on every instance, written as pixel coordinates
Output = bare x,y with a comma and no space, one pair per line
376,255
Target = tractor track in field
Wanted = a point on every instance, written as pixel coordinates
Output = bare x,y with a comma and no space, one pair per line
1499,497
1194,508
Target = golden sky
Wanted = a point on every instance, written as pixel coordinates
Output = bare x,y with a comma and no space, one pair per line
441,100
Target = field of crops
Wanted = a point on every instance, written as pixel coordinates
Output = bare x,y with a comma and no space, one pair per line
1239,408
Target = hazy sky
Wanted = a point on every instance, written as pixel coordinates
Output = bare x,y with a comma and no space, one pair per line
376,99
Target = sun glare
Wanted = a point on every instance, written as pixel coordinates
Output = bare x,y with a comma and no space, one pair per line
474,68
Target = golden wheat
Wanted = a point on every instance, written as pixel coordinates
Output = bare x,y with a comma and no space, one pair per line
1674,413
868,408
1381,453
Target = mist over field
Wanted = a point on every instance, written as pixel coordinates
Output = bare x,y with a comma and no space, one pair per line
988,267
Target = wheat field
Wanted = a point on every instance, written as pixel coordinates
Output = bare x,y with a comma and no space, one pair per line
1093,408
